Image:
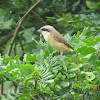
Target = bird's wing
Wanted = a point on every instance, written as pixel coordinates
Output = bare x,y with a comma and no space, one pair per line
61,39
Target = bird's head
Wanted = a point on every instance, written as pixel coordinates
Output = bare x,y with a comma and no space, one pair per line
47,29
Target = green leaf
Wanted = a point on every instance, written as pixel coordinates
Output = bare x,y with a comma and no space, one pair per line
19,50
79,65
76,85
49,76
93,59
73,69
43,87
7,59
46,52
16,58
60,19
51,19
67,36
97,46
49,81
49,91
71,75
76,3
29,57
64,84
22,98
58,87
50,49
98,62
26,69
90,76
28,34
1,60
91,4
97,39
86,50
2,69
84,31
7,24
78,34
34,58
90,41
39,57
77,96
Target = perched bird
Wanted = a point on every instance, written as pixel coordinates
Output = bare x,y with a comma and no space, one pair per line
55,39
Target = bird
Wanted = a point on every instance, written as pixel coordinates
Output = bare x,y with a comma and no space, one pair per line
55,39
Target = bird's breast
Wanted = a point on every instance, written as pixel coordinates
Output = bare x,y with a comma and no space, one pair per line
54,43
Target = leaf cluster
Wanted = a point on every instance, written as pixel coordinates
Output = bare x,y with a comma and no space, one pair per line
42,76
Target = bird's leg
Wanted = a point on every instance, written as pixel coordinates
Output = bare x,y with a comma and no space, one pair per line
61,53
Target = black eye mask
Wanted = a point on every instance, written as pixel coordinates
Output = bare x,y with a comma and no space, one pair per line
44,29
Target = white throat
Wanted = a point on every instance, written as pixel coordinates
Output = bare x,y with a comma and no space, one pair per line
45,35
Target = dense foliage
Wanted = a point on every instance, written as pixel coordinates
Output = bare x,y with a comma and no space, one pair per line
32,71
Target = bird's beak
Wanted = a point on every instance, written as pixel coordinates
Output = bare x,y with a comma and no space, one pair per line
39,30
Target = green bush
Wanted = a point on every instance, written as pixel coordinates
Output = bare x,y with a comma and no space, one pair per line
42,76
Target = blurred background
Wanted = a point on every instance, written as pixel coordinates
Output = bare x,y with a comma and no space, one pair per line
65,15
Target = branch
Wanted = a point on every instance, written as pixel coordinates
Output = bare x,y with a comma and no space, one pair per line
18,26
1,89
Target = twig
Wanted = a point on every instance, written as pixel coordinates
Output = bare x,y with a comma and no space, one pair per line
1,89
29,31
19,24
35,84
23,27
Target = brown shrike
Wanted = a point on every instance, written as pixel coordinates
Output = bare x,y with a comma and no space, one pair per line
55,39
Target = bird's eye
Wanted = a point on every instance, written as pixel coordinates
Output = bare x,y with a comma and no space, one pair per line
44,29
